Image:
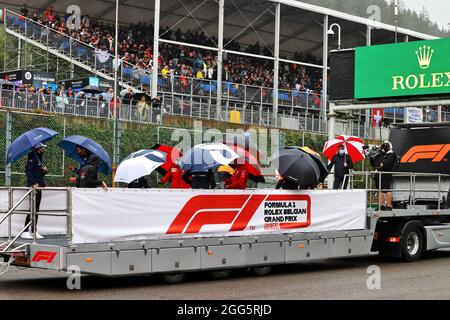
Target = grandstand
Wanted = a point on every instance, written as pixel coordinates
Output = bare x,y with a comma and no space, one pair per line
255,62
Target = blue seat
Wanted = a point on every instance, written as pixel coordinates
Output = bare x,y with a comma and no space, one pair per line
127,71
283,96
144,80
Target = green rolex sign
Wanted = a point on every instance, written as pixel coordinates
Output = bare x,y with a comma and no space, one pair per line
405,69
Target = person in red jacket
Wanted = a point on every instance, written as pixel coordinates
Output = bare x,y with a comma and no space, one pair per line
175,177
239,179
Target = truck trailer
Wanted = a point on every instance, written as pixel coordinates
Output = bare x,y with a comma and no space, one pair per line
124,232
422,148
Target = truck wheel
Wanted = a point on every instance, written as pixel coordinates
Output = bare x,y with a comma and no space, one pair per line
412,243
220,274
261,271
173,278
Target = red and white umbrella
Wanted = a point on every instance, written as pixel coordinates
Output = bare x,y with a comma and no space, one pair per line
353,146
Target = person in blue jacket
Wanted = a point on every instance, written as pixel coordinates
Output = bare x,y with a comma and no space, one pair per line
35,171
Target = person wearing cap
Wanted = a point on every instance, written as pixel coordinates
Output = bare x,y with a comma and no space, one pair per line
35,172
88,173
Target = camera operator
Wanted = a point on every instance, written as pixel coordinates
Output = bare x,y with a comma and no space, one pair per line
385,162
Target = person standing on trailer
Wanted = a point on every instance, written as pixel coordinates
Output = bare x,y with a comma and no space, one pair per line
342,164
284,183
239,179
35,172
140,183
88,173
224,172
387,164
175,177
200,179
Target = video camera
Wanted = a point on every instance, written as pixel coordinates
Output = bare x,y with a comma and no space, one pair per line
374,153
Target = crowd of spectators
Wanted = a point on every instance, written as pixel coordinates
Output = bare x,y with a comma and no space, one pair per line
136,46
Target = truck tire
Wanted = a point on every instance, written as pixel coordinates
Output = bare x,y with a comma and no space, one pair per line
172,278
261,271
412,243
220,274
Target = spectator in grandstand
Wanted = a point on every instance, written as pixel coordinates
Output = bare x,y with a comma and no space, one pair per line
42,93
111,107
61,101
70,93
142,108
198,63
35,172
87,175
156,102
128,97
109,95
24,10
49,14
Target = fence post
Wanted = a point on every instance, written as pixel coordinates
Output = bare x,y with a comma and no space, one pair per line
8,143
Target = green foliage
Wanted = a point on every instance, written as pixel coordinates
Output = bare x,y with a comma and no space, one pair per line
417,21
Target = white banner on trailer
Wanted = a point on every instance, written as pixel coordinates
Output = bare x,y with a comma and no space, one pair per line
127,214
47,225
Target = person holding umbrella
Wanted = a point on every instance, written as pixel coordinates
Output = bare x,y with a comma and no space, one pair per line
134,169
296,169
88,173
239,178
200,179
175,177
224,173
92,158
285,183
201,159
342,164
140,183
31,143
35,172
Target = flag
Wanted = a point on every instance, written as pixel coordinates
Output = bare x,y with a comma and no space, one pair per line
377,117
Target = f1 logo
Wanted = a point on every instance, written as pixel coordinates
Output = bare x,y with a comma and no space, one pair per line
46,256
436,152
236,210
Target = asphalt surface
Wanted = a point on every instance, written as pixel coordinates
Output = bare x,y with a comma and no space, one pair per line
325,279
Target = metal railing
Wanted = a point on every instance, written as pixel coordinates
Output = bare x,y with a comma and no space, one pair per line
64,44
30,196
366,179
171,104
92,107
290,101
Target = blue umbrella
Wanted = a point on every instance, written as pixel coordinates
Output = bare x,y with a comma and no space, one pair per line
207,156
69,145
27,141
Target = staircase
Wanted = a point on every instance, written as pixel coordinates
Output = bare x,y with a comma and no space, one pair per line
65,47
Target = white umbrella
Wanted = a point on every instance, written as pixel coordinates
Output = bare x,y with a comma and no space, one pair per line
219,152
206,156
136,167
